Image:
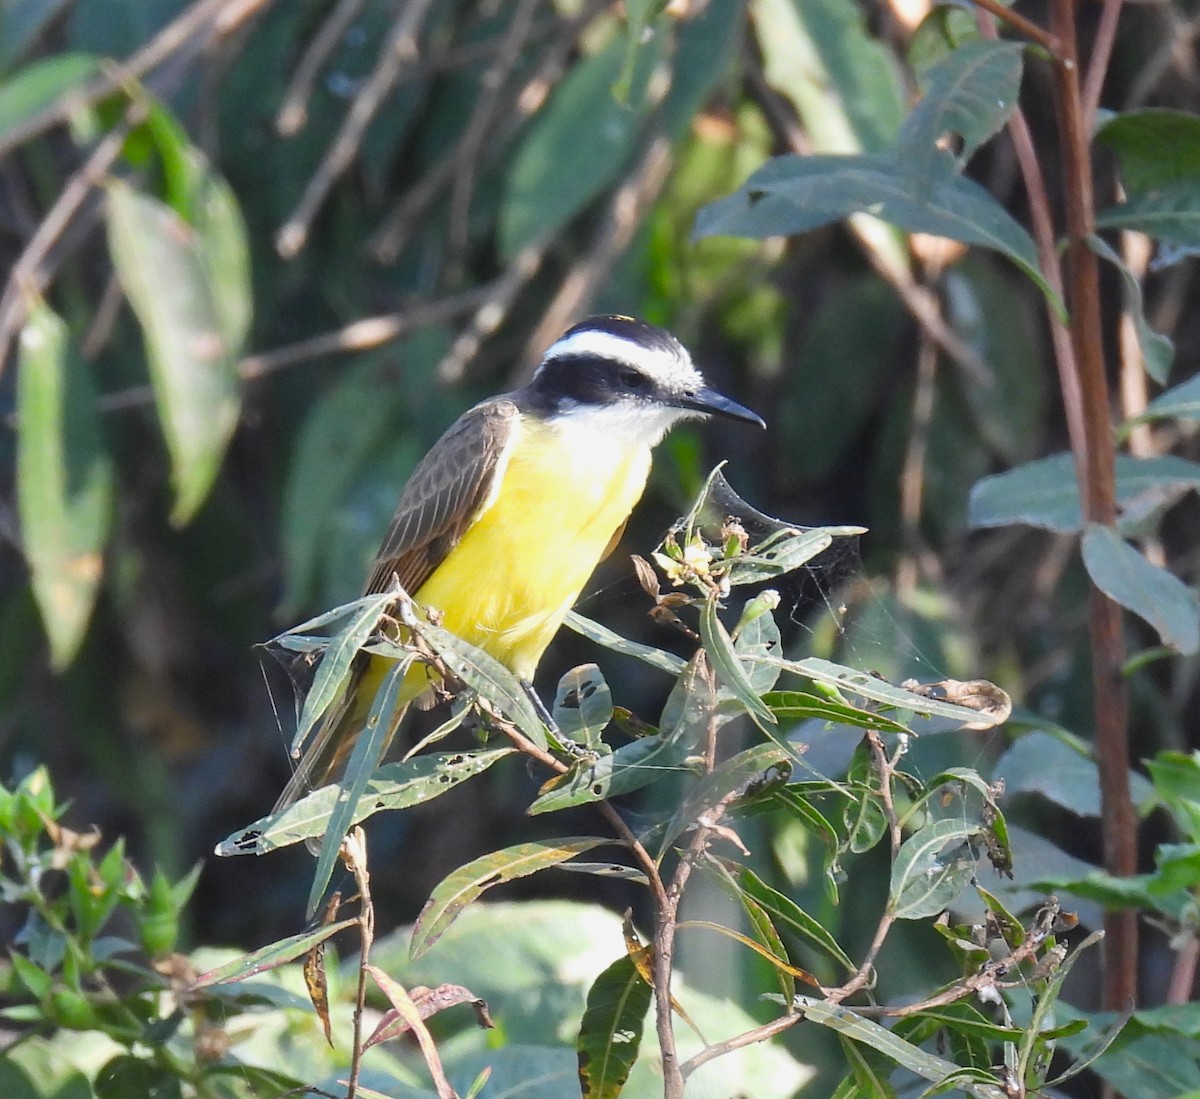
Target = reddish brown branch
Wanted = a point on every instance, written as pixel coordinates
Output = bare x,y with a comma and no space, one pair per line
1098,496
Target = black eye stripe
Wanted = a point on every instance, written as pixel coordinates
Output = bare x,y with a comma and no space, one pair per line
589,380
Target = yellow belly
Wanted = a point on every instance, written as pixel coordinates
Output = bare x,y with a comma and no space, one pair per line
507,586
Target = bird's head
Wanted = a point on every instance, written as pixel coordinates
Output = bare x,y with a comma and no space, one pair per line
626,375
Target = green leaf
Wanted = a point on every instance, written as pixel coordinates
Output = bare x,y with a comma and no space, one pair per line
583,705
1169,213
628,768
1176,777
1157,350
792,194
65,481
487,677
802,705
338,433
368,750
393,786
787,914
785,552
719,646
127,1075
1045,494
469,882
1152,593
611,1031
853,681
334,670
1041,763
639,14
173,275
926,876
270,957
554,175
970,92
1181,402
845,85
751,773
935,1069
990,311
36,86
602,635
1156,147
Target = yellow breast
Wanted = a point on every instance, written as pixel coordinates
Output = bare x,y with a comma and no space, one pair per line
564,491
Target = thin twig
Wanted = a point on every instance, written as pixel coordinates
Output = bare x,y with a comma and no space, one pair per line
388,239
479,127
360,335
355,853
1102,47
399,49
492,312
637,193
219,16
30,274
1019,23
293,112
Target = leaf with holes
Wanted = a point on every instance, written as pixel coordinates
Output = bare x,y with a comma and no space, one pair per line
931,868
583,705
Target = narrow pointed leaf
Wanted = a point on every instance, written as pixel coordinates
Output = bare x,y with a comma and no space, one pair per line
719,646
488,678
935,1069
469,882
393,786
364,759
611,1031
970,92
1152,593
805,706
787,914
334,669
65,481
853,681
792,194
602,635
1181,402
270,957
1170,213
628,768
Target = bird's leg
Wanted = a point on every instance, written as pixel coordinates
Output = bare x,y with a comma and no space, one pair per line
539,708
564,743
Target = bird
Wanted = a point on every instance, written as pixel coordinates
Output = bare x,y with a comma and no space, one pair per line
502,523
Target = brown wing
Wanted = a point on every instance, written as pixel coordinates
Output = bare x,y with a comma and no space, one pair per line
443,496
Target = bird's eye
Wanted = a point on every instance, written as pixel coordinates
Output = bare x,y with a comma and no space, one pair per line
632,379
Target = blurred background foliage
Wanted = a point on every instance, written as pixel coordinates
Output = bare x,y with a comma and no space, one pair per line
262,253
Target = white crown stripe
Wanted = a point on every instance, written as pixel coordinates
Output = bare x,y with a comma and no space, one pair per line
655,362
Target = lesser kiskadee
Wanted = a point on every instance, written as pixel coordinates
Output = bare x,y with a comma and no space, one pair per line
503,521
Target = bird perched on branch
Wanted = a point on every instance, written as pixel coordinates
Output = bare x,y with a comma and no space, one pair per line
503,521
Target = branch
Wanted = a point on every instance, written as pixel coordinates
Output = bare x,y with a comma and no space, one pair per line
399,50
192,28
1098,497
